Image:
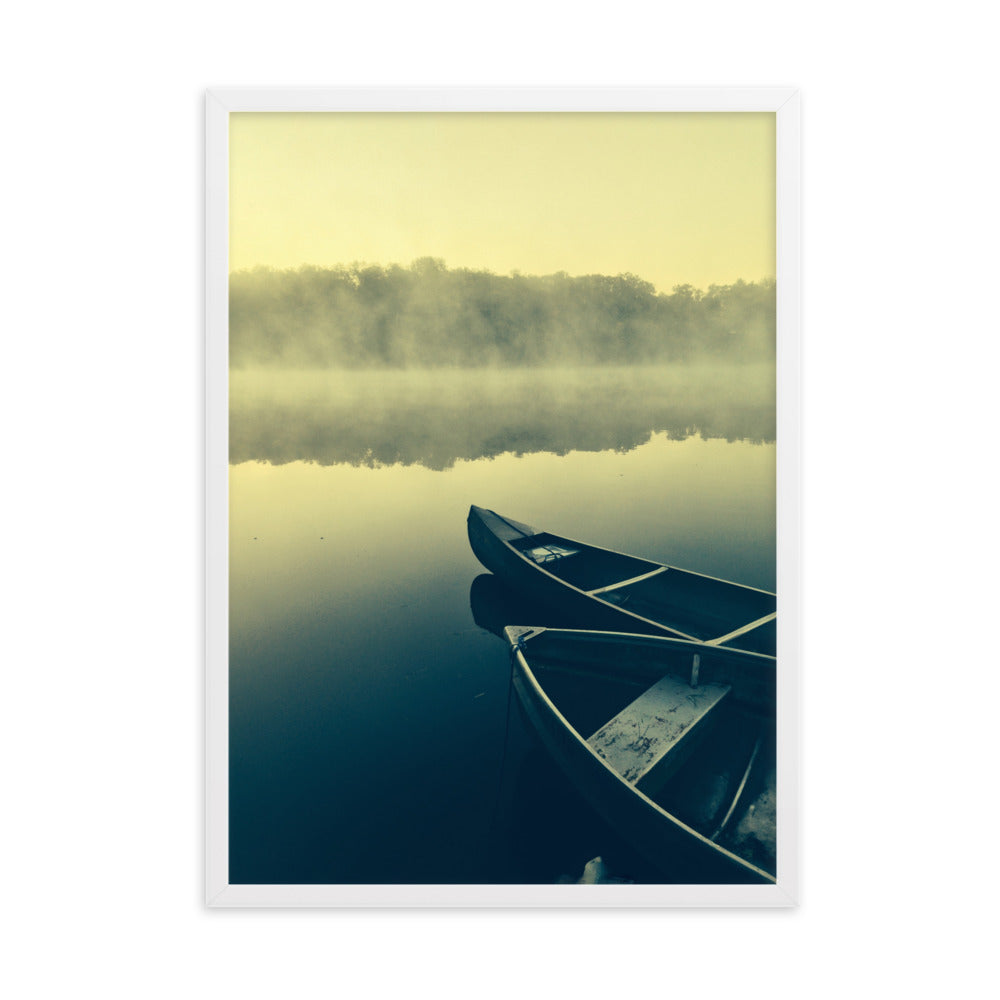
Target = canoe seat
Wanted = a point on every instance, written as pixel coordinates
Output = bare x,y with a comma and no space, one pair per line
651,737
550,553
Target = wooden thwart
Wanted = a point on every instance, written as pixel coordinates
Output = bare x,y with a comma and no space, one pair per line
648,739
629,581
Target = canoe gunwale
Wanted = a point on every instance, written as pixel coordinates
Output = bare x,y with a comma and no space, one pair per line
528,632
614,552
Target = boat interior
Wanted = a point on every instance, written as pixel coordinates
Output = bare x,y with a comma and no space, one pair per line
581,565
722,784
639,661
700,606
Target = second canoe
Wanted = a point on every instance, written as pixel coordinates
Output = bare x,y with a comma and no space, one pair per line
603,589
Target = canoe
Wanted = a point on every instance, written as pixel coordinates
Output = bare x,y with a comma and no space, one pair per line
671,742
603,589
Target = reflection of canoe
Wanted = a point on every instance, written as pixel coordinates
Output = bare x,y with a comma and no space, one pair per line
609,590
494,605
671,741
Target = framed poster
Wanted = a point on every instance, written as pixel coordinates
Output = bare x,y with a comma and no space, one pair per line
502,497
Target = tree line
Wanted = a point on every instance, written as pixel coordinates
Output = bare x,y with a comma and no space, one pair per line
427,315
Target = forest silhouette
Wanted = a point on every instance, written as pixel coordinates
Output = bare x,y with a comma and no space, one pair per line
427,316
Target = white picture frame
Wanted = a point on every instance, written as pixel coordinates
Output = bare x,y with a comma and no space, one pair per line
785,103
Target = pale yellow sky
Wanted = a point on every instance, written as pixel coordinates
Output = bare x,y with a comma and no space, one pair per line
672,198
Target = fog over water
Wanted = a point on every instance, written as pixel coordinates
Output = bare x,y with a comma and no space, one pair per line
434,417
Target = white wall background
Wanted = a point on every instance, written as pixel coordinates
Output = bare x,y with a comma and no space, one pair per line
102,308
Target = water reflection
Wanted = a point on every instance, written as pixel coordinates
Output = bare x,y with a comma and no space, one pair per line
433,418
494,606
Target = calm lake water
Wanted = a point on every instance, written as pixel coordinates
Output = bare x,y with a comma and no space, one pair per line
372,738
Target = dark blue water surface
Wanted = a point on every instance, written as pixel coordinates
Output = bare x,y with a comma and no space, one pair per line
372,736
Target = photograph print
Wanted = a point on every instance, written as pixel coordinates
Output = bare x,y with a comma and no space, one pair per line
502,499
